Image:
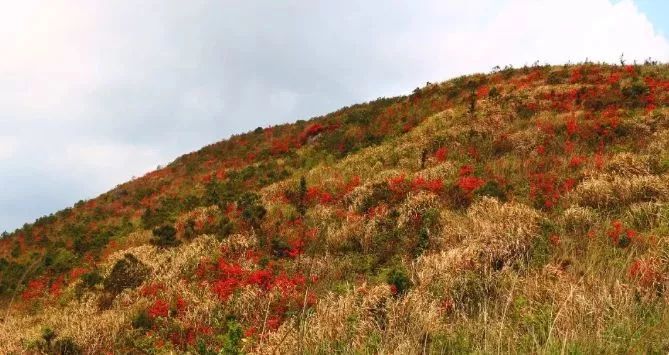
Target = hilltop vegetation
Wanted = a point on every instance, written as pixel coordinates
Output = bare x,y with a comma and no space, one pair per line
525,210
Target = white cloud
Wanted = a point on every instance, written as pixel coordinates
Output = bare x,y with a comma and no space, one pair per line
95,92
8,147
520,32
103,165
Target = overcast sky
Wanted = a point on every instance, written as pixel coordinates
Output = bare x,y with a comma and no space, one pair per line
95,92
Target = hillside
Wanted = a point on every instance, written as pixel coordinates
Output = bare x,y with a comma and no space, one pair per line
524,210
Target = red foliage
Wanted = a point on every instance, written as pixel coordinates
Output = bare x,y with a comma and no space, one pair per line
181,305
554,239
618,233
159,308
441,154
482,91
250,331
273,323
151,290
569,146
646,272
544,189
314,194
447,305
614,78
229,270
223,288
571,125
261,278
56,287
280,147
35,288
76,272
466,170
183,338
576,161
576,76
433,185
350,184
398,185
473,153
599,161
310,131
469,184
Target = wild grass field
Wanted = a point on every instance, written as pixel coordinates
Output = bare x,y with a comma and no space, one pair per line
520,211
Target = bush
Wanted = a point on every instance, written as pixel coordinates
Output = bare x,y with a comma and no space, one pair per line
162,214
66,346
492,189
634,94
225,227
233,338
165,237
142,321
63,346
59,259
252,209
126,273
399,281
92,278
279,247
423,241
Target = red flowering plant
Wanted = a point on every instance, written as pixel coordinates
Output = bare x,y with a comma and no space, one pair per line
544,190
621,236
646,272
159,308
467,182
432,185
35,288
441,154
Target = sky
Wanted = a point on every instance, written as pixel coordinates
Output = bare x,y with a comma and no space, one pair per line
93,93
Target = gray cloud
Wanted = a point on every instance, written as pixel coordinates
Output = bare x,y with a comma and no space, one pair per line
92,93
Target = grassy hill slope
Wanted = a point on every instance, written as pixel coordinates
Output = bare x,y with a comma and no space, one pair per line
526,210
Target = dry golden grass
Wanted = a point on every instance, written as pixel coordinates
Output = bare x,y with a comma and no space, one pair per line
606,191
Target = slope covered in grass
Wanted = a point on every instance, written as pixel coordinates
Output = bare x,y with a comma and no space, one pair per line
524,210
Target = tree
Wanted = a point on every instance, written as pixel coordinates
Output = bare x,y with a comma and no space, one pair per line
301,195
165,237
128,272
252,209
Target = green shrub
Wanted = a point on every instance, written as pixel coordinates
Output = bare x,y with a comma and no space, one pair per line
92,278
225,227
279,247
634,94
165,237
233,338
66,346
142,320
492,189
400,281
252,209
59,259
128,272
423,241
62,346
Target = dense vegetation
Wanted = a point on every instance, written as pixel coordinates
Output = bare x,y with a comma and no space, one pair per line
525,210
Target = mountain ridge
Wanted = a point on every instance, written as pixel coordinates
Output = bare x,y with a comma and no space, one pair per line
429,207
